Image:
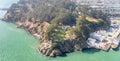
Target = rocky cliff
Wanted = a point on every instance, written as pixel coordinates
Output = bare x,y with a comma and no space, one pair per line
38,30
26,15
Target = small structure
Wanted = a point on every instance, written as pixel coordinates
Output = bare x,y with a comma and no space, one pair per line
97,36
115,44
105,46
65,27
104,39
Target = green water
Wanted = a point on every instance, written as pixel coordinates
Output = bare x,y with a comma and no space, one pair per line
18,45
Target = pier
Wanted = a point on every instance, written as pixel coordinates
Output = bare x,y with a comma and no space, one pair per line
105,39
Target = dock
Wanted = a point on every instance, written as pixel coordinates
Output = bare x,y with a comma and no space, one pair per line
105,39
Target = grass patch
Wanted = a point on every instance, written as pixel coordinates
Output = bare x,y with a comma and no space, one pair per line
90,19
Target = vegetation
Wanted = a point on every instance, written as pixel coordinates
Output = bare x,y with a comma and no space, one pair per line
54,45
60,13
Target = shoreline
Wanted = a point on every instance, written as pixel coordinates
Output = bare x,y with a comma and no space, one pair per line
47,47
106,38
39,39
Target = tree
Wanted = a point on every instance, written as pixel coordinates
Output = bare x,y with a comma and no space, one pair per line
64,18
79,31
83,8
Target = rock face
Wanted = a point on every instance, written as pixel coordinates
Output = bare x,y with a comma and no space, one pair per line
38,30
7,16
78,48
35,28
67,47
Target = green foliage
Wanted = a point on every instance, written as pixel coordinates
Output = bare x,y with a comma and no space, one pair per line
98,14
50,31
58,13
45,10
54,45
55,33
48,10
64,18
80,27
84,27
83,8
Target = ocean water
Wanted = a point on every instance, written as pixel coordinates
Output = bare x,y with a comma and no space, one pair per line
18,45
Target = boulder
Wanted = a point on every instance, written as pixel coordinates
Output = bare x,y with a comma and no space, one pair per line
40,49
43,51
57,52
68,47
48,52
77,47
52,54
62,48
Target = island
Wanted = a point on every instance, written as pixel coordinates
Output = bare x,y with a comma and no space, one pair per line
63,26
